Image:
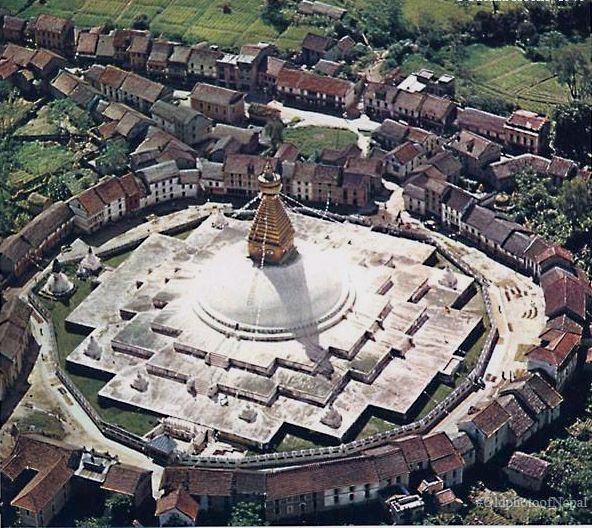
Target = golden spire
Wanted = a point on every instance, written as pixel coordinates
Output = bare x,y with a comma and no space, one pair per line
271,238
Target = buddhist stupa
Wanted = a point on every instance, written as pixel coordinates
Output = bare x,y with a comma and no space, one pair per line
58,285
90,264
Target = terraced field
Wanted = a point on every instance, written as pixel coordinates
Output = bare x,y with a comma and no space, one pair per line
506,73
207,20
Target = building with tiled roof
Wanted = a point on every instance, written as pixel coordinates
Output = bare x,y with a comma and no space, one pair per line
402,161
437,112
54,33
177,503
15,338
141,92
475,152
105,52
218,103
202,62
526,131
314,47
157,62
13,28
522,425
407,106
556,356
489,430
310,89
18,55
483,123
45,63
131,481
526,471
178,61
189,125
138,51
87,45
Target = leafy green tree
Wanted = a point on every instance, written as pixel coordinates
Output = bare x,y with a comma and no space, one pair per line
490,103
57,188
120,509
175,520
92,522
247,513
573,69
575,200
114,158
142,21
573,131
5,90
275,130
383,22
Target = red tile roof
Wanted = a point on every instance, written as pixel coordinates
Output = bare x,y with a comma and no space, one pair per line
142,88
491,419
438,445
113,76
52,24
556,351
406,152
90,202
410,101
208,93
18,54
528,120
413,449
554,250
87,43
123,478
7,69
180,500
318,43
110,190
528,465
567,294
447,463
198,481
472,118
311,82
436,108
43,487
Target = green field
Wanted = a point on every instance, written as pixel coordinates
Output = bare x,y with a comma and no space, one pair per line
197,20
314,139
505,73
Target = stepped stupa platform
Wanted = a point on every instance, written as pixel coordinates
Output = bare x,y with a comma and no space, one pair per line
346,319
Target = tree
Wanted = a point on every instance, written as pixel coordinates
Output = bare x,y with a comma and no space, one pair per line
575,200
120,509
92,522
142,21
175,520
275,130
247,513
114,158
57,189
573,69
383,22
573,131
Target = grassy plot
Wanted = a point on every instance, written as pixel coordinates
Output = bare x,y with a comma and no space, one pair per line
135,422
313,139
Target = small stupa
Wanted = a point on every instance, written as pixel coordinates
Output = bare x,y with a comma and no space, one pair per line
332,418
58,285
93,349
90,264
449,279
248,414
219,221
140,383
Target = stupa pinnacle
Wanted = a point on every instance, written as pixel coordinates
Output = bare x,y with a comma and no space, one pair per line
271,234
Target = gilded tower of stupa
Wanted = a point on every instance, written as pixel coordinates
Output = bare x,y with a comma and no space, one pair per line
271,234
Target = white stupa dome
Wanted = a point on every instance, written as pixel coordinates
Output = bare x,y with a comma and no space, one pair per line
90,263
58,284
308,294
